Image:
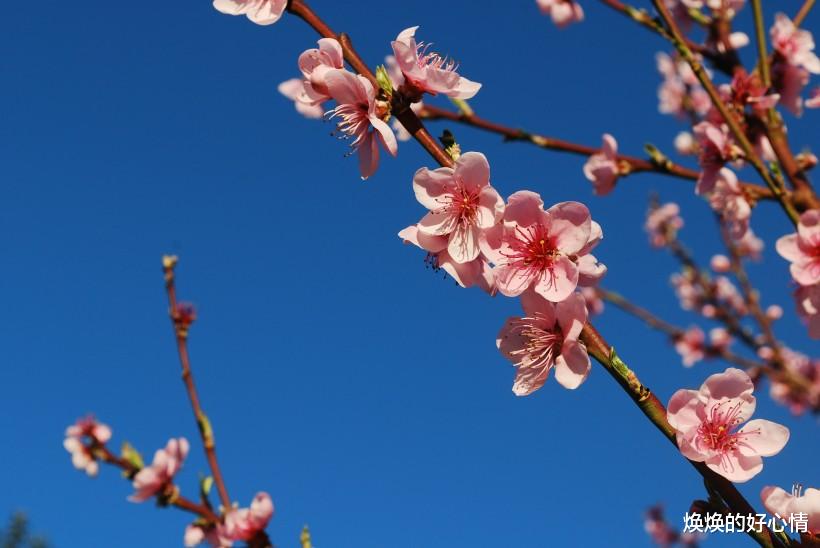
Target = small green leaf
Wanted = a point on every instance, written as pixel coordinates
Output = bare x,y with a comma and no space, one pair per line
205,485
383,78
132,456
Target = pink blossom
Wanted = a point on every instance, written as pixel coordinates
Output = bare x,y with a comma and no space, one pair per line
474,273
690,295
707,420
428,71
728,199
153,479
196,534
802,249
462,204
798,365
546,250
690,346
720,339
748,89
680,92
720,263
785,505
663,223
727,292
716,148
807,299
84,430
749,245
245,523
563,12
685,144
294,89
261,12
774,312
602,168
546,338
361,117
795,45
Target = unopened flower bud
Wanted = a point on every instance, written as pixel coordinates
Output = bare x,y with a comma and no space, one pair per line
720,263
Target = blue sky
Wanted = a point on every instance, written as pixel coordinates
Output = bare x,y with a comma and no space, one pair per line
363,392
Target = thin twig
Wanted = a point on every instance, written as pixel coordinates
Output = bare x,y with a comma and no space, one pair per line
202,421
630,163
738,133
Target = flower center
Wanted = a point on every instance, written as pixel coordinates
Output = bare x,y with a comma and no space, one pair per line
432,59
542,347
354,122
461,203
717,432
532,250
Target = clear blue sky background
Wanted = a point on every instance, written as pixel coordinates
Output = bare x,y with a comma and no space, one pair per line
362,391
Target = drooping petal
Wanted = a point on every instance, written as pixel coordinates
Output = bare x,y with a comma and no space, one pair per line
572,366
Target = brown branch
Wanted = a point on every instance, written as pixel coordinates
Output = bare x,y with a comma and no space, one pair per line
674,332
181,333
803,12
654,410
633,164
739,135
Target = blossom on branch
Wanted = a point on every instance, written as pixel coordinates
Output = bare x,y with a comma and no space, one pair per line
802,249
548,251
807,299
690,346
462,204
546,338
245,523
663,223
788,505
77,435
294,89
563,12
716,149
261,12
707,420
361,117
602,168
154,479
428,72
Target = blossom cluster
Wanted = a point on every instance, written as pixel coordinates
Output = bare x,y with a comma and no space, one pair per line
363,107
86,440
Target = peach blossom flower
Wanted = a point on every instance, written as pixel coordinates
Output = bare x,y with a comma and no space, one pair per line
428,71
716,148
546,250
720,263
720,339
685,144
196,534
789,80
595,304
462,204
663,223
785,505
261,12
152,479
728,199
690,346
795,45
245,523
808,396
707,420
82,457
563,12
361,118
802,249
749,245
546,338
680,90
602,168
